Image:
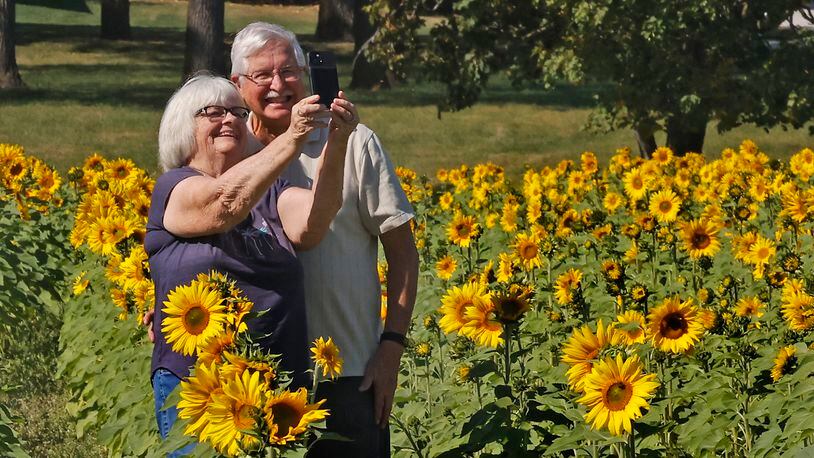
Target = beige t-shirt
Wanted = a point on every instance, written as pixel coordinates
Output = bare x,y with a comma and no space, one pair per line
342,291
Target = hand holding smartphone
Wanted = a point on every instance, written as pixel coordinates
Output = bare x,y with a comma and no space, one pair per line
324,78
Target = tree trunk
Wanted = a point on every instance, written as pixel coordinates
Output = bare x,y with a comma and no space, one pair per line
686,134
9,73
646,139
116,19
204,43
335,22
365,74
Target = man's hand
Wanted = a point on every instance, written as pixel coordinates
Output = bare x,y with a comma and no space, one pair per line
344,116
147,321
382,374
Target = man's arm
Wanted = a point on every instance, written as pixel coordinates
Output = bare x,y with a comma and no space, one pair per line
402,279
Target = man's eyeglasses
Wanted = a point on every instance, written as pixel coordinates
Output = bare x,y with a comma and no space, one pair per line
217,113
265,78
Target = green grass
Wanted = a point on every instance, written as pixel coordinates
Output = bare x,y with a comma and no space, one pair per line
88,95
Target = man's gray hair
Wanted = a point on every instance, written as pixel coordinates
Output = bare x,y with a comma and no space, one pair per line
176,135
254,37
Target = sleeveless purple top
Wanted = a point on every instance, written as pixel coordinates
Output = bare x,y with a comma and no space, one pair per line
256,254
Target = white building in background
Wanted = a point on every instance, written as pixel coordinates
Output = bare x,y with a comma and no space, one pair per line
803,18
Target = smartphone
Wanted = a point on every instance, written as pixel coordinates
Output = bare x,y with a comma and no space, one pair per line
324,79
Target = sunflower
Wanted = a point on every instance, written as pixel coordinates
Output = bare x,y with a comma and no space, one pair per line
194,314
612,270
700,238
631,325
213,350
527,251
134,267
674,325
664,206
513,304
583,347
288,415
482,325
462,230
234,411
761,251
508,219
112,230
565,285
612,201
445,267
784,363
446,200
635,184
326,356
197,392
235,365
616,391
589,162
798,308
505,268
80,283
750,306
456,301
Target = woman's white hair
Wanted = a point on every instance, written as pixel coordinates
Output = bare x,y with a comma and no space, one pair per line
254,37
176,135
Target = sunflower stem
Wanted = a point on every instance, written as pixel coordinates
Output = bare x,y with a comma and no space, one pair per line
314,383
507,352
429,394
407,433
631,443
441,353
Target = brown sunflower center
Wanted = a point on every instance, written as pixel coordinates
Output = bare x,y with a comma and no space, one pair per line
529,251
637,183
196,319
665,206
763,253
16,169
285,417
462,230
618,396
673,326
700,240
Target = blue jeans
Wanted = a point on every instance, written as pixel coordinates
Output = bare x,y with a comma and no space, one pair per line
164,382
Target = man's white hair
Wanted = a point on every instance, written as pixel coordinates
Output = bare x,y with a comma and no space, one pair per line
254,37
176,135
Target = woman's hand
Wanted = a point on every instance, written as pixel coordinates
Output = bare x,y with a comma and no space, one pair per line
344,116
307,115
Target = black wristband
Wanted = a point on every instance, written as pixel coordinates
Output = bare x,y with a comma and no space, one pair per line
393,336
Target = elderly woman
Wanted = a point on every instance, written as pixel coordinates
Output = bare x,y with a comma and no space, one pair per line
218,207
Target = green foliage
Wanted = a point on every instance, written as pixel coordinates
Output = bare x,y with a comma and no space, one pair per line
106,364
670,66
10,446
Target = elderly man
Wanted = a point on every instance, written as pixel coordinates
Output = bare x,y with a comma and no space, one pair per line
342,286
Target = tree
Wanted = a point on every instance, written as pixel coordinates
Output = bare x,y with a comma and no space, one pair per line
664,65
116,19
345,20
335,20
9,73
365,73
204,38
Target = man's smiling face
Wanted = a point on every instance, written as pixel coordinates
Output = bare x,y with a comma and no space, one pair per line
271,103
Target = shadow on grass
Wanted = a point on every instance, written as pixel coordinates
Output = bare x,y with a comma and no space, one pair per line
153,58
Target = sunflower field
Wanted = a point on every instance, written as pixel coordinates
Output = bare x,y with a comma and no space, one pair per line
648,307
